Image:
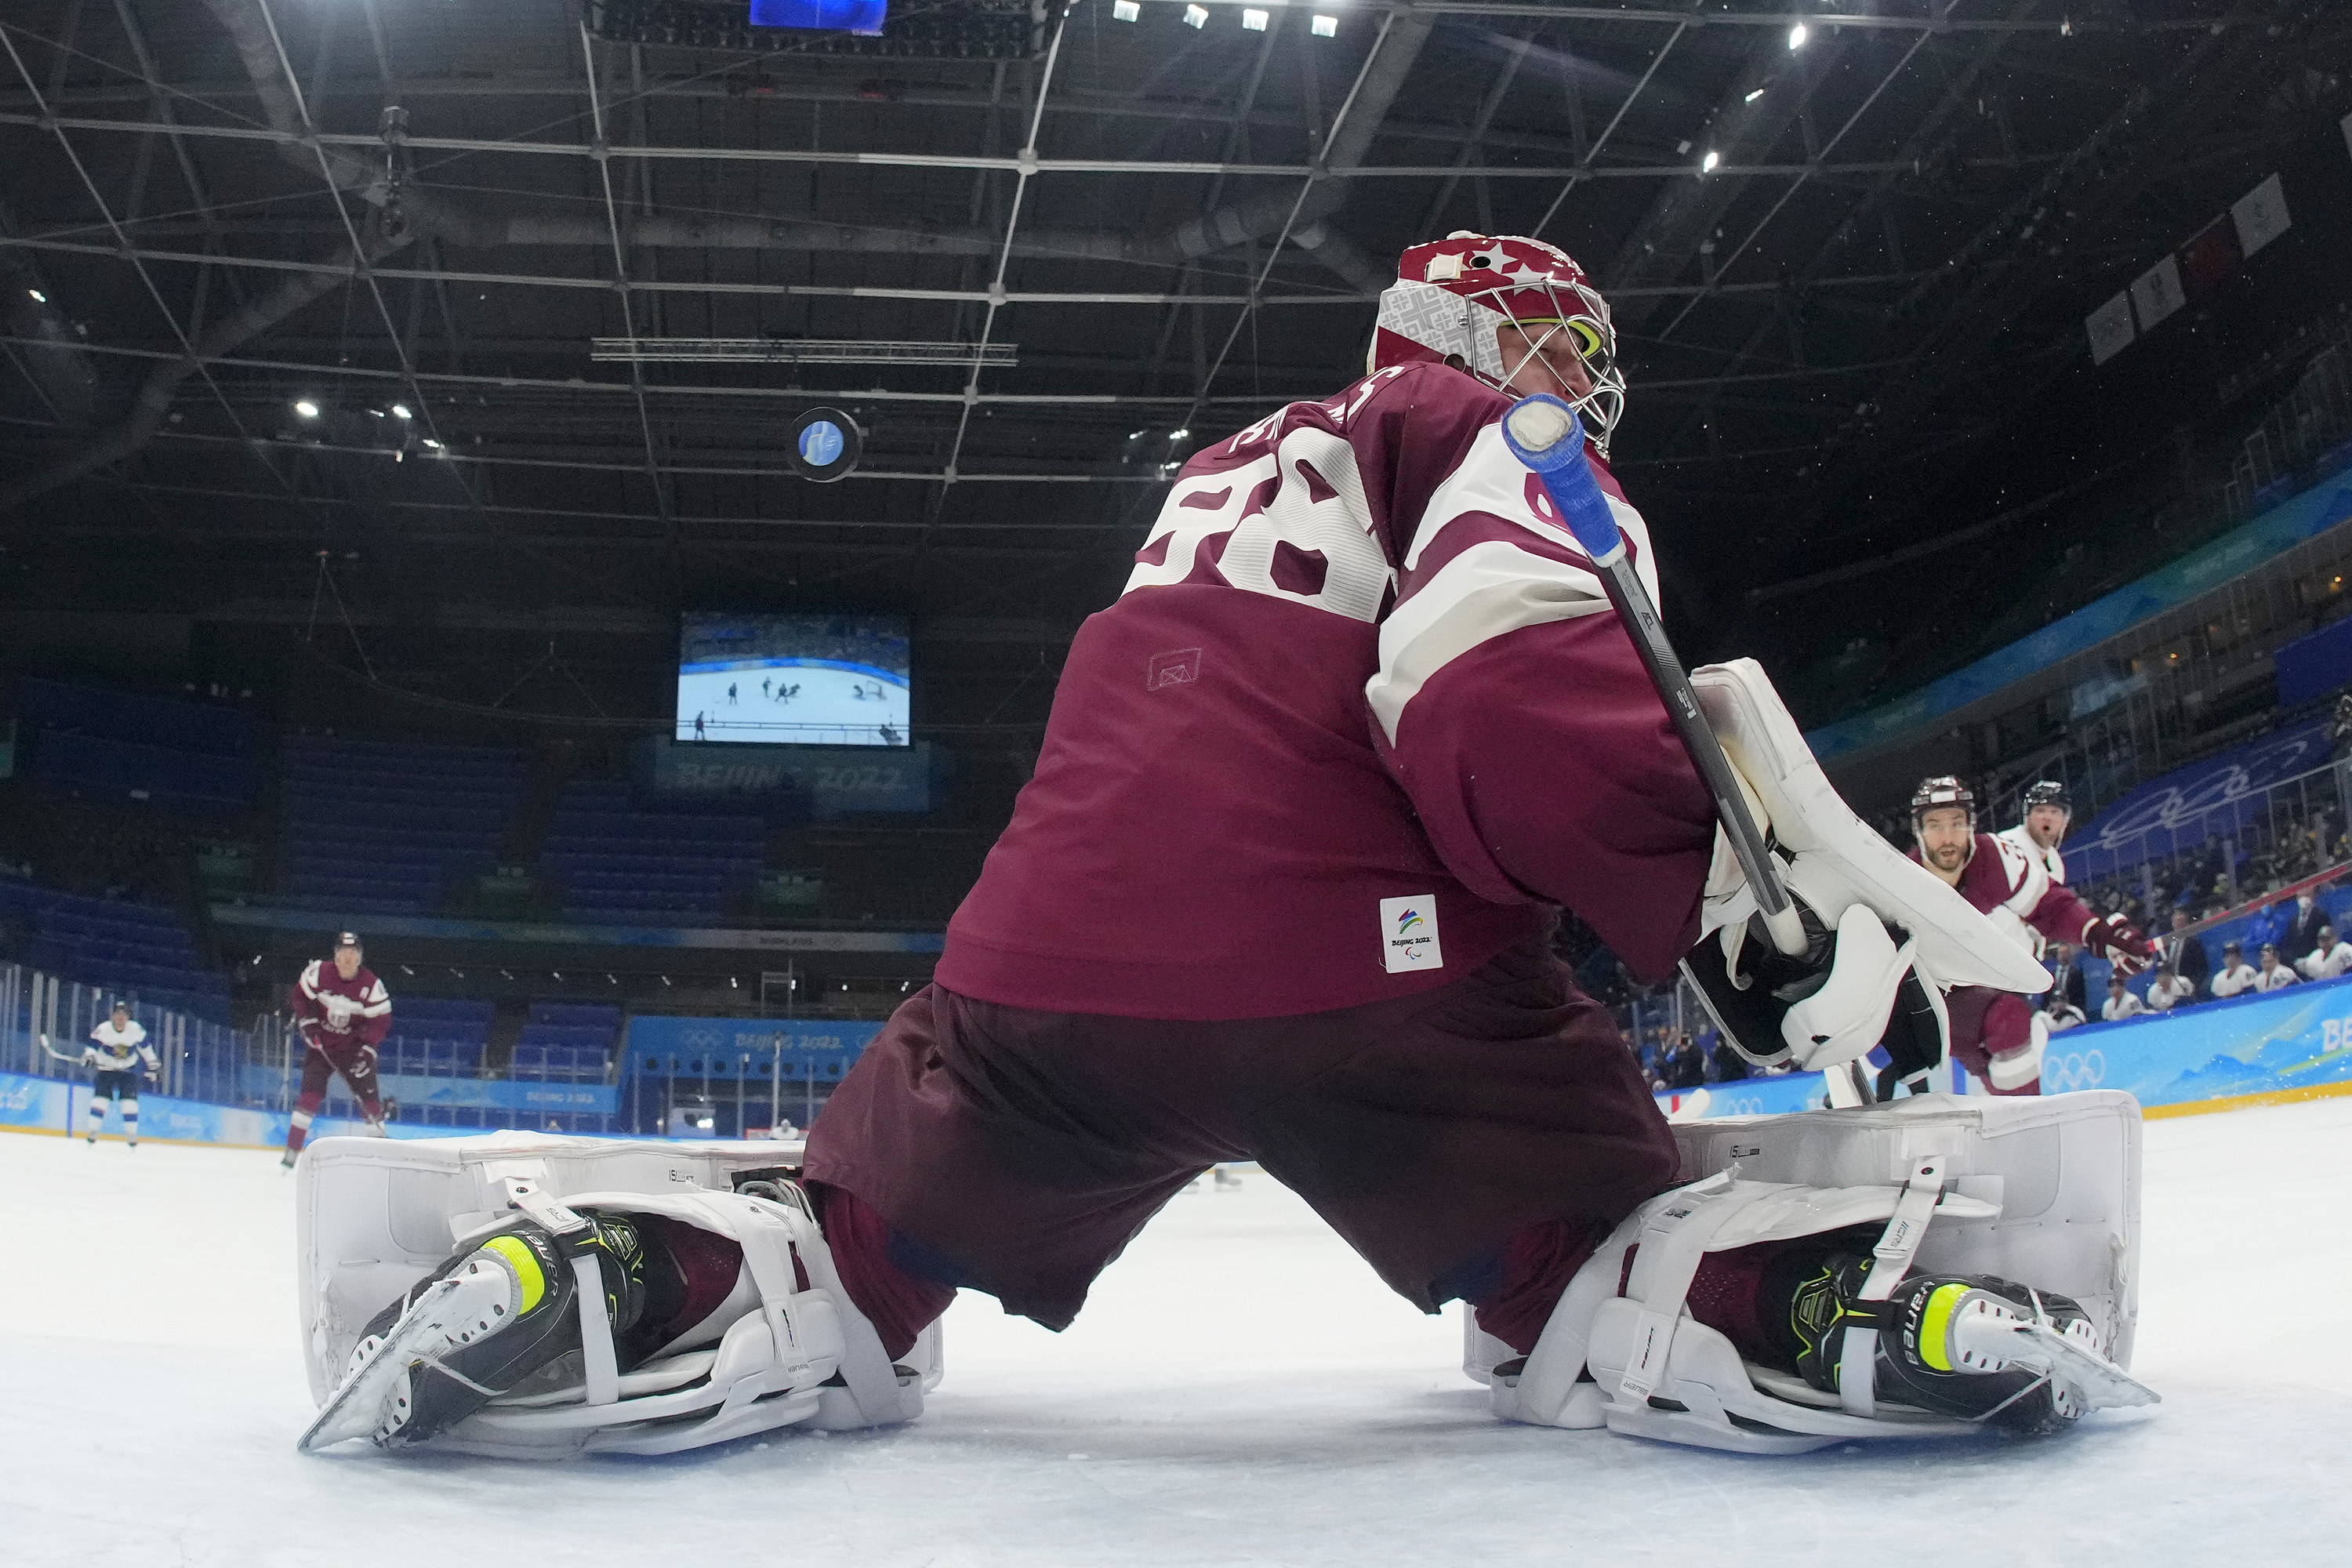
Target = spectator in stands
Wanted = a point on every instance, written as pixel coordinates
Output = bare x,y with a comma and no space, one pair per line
1730,1067
2066,975
2302,934
2061,1015
2276,976
2329,957
2120,1003
2186,955
2168,990
2237,975
1686,1069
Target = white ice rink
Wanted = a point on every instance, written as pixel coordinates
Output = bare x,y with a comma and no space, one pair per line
1241,1390
834,706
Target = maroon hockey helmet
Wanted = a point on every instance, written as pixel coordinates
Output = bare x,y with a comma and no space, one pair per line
1938,790
1454,297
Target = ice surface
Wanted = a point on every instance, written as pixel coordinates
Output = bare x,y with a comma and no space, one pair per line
1241,1390
835,706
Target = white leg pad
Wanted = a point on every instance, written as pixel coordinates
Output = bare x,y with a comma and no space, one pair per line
373,1217
2043,1192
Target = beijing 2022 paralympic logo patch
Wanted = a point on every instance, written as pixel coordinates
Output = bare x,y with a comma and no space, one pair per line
1409,934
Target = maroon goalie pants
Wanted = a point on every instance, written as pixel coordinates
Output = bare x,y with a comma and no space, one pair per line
1475,1141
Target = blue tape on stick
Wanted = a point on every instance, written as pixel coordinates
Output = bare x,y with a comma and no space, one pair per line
1544,433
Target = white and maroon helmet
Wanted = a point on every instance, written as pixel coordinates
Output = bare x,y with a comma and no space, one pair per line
1941,789
1454,297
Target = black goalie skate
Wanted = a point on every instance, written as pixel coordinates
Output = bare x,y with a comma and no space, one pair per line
1968,1346
477,1327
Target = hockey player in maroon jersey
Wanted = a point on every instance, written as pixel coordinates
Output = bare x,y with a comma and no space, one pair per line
341,1012
1992,1032
1314,790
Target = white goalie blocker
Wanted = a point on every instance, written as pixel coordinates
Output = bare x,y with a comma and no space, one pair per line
373,1216
2041,1192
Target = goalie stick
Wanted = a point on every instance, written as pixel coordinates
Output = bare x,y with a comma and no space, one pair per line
1544,433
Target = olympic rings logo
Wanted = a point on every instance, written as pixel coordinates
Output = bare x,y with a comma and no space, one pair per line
2061,1073
694,1039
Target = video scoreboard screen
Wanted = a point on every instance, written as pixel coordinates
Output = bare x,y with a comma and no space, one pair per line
794,680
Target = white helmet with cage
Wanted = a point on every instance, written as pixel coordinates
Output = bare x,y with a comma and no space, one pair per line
1491,301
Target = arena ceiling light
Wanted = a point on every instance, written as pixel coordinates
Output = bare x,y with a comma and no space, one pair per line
825,445
306,408
1195,16
1324,26
1254,21
1797,36
800,351
38,298
1126,10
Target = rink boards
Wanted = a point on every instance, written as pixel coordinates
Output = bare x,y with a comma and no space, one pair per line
2290,1046
838,704
61,1106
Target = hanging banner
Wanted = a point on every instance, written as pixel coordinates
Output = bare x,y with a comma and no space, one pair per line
744,1047
2191,804
823,781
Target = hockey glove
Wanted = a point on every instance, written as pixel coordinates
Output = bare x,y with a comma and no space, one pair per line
2120,943
1816,1009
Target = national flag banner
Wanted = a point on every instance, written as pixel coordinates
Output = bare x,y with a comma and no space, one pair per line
2211,257
2110,329
2260,214
2157,293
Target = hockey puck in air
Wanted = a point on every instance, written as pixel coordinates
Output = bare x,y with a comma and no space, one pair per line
825,445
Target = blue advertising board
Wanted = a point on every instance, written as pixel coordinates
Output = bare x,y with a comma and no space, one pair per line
2294,1043
62,1105
744,1047
2291,1045
412,1089
1768,1096
2314,665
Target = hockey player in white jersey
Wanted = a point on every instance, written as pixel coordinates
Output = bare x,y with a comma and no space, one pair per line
121,1056
2048,811
1361,684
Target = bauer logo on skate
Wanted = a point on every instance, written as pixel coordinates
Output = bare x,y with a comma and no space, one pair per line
1409,934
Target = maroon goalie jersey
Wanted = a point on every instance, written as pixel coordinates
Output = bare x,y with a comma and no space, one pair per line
330,1011
1361,715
